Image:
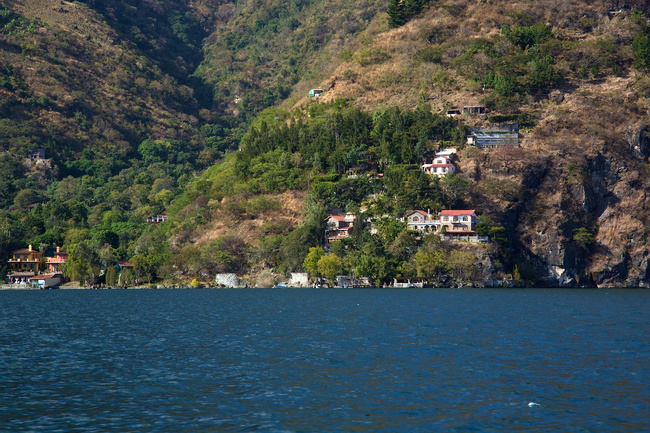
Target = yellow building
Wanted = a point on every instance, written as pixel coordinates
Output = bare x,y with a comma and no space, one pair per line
26,260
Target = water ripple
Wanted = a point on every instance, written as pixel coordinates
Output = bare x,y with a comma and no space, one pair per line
324,361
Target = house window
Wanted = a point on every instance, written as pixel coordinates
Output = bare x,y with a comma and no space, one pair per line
416,219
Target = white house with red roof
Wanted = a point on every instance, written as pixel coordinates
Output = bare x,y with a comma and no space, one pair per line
338,227
442,163
462,222
452,223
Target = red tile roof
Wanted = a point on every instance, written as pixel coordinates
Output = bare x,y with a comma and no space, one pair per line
456,212
44,276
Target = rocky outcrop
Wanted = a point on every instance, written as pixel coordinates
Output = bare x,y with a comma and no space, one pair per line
604,199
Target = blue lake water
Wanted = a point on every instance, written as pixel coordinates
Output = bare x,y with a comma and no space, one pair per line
430,360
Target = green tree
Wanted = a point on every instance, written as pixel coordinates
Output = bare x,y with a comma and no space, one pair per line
583,238
82,264
77,268
641,50
26,197
154,150
310,264
396,13
126,278
329,266
455,189
375,267
494,231
404,245
111,276
429,264
461,263
146,266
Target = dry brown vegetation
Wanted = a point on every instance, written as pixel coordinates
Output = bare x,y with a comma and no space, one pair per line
250,227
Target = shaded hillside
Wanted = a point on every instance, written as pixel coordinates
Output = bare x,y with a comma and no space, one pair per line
260,52
72,83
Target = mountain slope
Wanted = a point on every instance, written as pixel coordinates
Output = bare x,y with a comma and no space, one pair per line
132,100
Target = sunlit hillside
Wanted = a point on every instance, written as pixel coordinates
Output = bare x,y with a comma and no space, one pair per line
115,111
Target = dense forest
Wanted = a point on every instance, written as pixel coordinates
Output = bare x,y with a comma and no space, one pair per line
113,112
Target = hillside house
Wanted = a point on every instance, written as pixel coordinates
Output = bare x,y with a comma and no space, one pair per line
440,166
462,222
315,93
55,263
121,265
157,219
23,264
25,260
37,154
491,140
474,110
338,227
495,136
453,112
422,221
452,224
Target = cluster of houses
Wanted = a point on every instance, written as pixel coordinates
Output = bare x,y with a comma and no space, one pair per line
451,224
26,264
31,268
443,163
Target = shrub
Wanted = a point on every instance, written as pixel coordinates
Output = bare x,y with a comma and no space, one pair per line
371,57
583,238
641,50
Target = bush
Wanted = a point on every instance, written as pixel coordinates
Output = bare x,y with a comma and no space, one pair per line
526,36
371,57
641,50
583,238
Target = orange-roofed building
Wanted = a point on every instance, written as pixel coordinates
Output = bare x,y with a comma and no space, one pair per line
338,227
458,221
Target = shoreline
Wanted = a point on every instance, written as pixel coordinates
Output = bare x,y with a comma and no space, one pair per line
11,287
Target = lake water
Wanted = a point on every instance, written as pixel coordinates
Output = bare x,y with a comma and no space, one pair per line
375,360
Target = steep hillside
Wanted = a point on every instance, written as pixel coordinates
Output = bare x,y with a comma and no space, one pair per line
260,52
581,209
73,82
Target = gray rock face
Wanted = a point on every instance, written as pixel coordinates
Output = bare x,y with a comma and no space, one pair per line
607,200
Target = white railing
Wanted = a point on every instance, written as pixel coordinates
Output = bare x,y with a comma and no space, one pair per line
467,238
